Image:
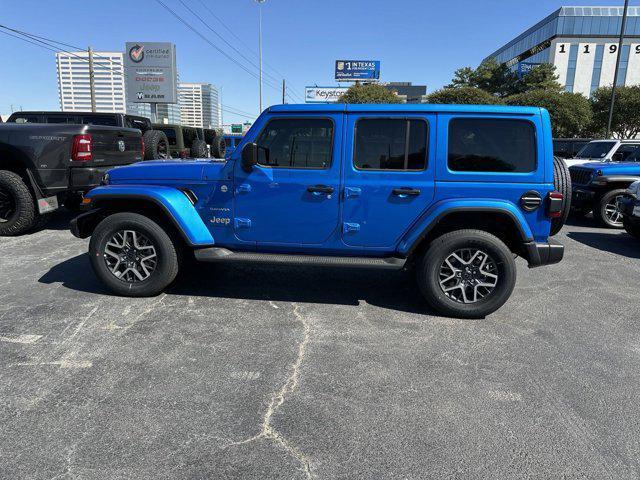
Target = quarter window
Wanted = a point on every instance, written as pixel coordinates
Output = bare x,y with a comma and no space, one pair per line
491,145
391,144
296,143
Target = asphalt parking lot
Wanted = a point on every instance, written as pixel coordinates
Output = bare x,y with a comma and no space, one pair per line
288,372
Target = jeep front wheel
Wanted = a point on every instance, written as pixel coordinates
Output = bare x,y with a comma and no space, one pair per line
132,255
17,206
606,210
467,274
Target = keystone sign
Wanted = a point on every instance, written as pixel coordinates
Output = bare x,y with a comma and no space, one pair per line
323,94
352,70
150,72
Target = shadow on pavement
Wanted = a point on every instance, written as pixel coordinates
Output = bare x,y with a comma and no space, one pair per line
58,220
609,241
345,286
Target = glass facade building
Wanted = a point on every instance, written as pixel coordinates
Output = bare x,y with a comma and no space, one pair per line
582,43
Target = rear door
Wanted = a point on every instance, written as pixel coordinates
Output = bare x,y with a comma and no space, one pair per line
388,176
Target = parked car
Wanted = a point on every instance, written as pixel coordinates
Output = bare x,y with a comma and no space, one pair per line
216,142
232,141
43,166
629,206
155,142
351,185
604,151
598,186
568,147
184,142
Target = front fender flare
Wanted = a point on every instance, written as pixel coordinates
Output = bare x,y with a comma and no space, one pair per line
433,215
172,201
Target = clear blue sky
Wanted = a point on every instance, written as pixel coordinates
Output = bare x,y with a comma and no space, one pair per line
422,41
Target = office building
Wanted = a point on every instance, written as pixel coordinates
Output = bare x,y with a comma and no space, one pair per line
582,42
165,112
73,81
199,105
408,92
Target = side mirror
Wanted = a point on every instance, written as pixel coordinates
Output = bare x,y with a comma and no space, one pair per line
249,156
617,157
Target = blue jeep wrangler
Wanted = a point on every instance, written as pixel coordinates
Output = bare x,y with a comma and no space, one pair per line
456,191
598,187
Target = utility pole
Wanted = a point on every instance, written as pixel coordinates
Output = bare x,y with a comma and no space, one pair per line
260,2
284,90
92,81
615,75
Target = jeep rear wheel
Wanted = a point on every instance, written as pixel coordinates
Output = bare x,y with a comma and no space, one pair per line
606,210
467,274
156,145
562,184
133,255
17,206
199,149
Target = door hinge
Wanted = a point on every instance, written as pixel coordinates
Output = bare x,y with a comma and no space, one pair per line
242,223
350,227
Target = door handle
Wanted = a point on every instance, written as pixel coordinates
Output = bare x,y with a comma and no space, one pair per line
406,192
319,189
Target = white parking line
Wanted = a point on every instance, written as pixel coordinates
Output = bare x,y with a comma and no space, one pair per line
13,338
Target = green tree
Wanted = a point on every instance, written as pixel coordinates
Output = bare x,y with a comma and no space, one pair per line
626,112
464,95
540,77
369,93
571,113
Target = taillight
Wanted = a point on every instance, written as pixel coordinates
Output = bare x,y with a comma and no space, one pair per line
554,207
81,149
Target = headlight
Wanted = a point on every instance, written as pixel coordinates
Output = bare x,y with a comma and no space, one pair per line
634,189
105,179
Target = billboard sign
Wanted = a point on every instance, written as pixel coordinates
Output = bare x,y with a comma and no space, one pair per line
150,72
323,94
352,70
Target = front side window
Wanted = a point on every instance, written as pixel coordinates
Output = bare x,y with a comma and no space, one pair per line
391,144
491,145
624,152
296,143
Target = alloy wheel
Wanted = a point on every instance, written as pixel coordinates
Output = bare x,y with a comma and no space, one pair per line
468,275
612,212
7,205
130,256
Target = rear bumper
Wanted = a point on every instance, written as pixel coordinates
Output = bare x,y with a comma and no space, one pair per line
83,179
546,253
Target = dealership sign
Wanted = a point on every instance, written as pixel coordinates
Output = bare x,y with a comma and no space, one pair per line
323,94
352,70
150,71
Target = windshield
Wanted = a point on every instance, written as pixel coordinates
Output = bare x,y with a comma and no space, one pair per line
595,150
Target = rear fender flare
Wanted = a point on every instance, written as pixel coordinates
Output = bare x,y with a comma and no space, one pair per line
437,212
172,201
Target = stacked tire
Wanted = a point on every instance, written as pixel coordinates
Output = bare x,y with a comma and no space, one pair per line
156,145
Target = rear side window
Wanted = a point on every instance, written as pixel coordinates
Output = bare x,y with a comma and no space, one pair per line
391,144
491,145
25,119
62,119
171,135
296,143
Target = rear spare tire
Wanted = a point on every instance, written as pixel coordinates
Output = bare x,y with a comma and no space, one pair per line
562,184
199,149
17,206
156,145
218,147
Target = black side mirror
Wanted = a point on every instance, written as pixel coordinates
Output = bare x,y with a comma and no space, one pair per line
249,156
617,157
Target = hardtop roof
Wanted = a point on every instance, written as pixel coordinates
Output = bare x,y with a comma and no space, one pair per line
403,107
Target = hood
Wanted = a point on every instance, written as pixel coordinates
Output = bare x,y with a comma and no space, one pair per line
613,168
180,170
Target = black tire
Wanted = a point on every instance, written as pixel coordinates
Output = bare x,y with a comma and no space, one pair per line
156,145
562,183
166,266
499,260
17,205
602,210
632,228
218,147
199,149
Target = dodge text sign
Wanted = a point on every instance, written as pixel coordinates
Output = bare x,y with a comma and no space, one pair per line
150,71
351,70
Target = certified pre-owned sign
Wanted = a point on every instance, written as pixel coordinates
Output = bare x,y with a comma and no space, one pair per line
150,69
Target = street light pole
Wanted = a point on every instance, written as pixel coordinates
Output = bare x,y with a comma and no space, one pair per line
615,75
260,2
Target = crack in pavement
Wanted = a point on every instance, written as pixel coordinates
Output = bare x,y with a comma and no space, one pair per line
278,398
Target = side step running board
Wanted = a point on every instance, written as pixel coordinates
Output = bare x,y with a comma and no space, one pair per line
215,254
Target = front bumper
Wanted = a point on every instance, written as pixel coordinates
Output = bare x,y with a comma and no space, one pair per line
546,253
581,197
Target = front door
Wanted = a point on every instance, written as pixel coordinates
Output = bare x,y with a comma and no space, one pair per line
292,195
388,176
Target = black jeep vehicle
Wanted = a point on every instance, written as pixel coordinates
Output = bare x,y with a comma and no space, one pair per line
156,145
43,166
184,142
